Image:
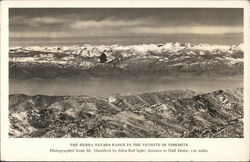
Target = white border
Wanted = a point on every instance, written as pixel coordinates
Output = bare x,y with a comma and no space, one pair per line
38,149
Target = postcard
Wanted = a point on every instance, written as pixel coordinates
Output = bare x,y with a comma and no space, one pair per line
125,80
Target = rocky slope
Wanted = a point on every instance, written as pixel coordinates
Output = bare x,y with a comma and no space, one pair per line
169,59
176,113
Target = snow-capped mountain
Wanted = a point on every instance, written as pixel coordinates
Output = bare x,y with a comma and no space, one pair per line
90,50
168,57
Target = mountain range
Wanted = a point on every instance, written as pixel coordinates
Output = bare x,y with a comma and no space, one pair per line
166,114
170,59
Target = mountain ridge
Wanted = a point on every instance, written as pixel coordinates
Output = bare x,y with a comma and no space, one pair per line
155,59
165,114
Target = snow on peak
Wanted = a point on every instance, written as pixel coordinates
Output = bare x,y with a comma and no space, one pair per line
141,49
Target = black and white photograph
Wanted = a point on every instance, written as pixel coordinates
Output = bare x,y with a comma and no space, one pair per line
126,72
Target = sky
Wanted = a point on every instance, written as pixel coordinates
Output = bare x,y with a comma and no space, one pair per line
125,25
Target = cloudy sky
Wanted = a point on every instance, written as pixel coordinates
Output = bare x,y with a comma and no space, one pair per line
151,25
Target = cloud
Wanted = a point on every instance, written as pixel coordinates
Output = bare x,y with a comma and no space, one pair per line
104,23
35,20
25,24
75,26
39,34
45,20
111,26
55,34
90,30
188,30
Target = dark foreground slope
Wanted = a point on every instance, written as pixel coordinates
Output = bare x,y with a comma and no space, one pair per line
159,114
